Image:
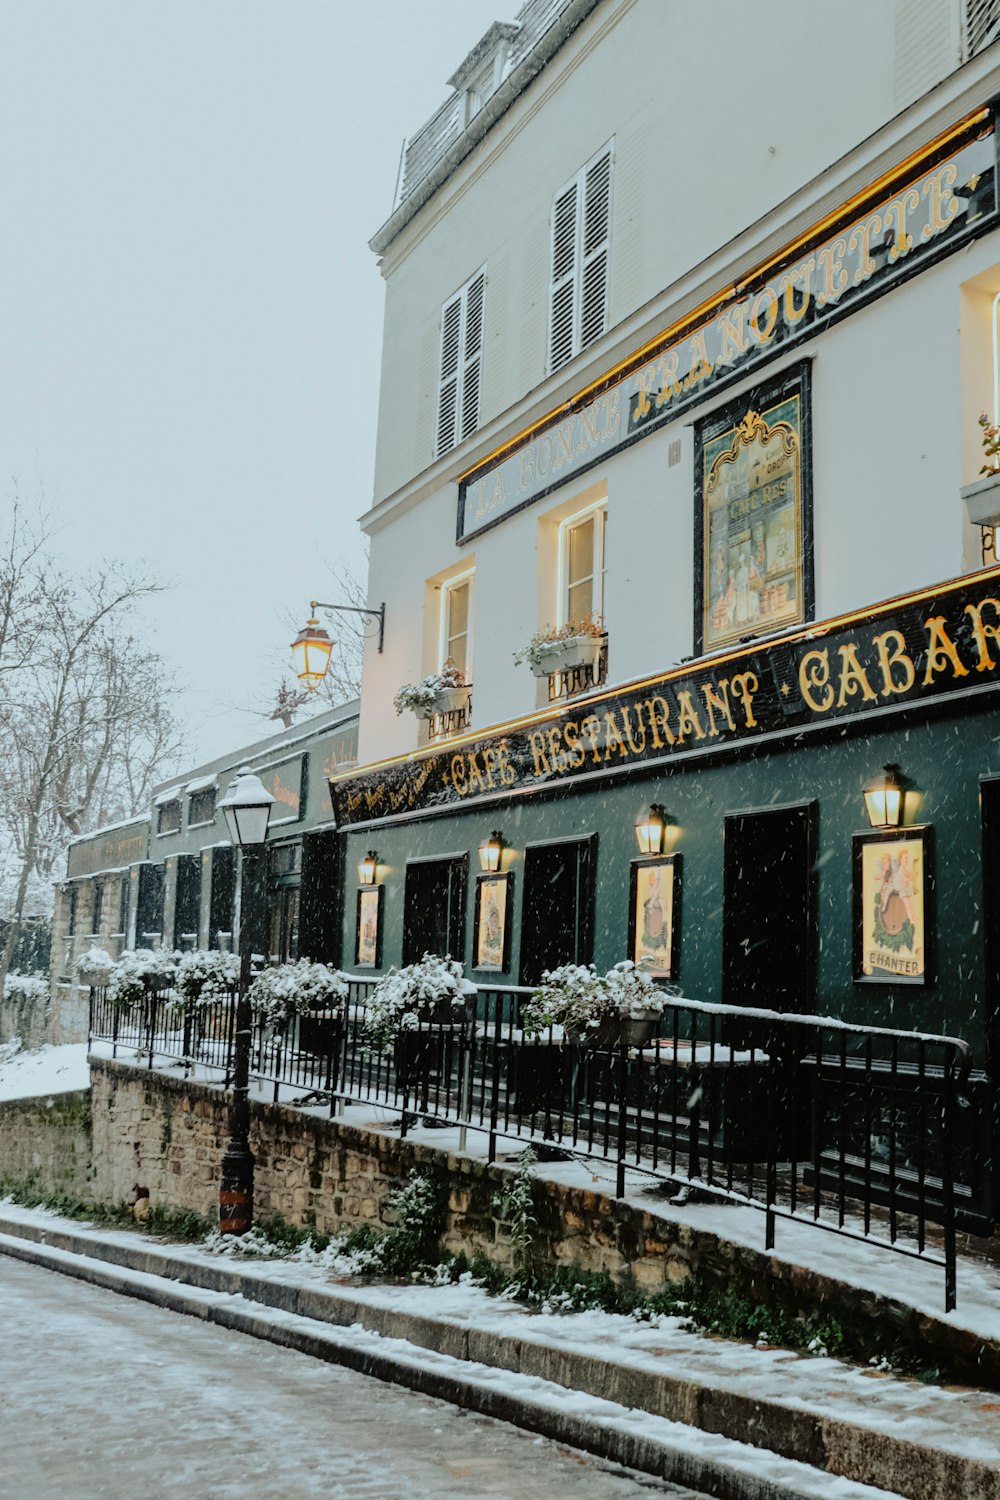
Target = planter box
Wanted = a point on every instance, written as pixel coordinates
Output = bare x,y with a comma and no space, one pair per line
982,500
616,1031
450,701
563,656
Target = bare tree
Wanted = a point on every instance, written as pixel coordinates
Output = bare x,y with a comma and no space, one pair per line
83,711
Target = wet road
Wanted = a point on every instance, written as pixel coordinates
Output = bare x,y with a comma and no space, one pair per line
106,1398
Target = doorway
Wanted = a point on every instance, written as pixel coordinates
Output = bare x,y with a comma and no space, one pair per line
557,910
769,908
434,908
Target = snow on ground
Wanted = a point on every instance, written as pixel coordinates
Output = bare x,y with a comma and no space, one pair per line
959,1420
858,1263
43,1071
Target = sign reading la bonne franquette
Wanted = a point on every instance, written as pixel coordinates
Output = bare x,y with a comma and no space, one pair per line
923,213
908,650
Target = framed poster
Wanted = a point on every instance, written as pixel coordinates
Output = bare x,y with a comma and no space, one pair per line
491,934
893,881
368,941
654,914
753,514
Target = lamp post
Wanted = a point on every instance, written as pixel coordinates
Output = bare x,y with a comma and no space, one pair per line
247,806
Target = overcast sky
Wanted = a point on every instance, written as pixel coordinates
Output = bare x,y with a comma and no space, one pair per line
190,316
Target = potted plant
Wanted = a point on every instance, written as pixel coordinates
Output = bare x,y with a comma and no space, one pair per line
442,692
94,967
561,648
430,993
982,497
620,1007
206,974
286,991
139,971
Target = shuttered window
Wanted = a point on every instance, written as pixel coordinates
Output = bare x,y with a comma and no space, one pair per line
581,230
982,24
461,363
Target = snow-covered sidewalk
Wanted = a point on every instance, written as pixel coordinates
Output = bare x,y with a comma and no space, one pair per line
43,1071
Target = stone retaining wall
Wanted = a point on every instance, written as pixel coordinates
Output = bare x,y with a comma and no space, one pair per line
45,1144
167,1135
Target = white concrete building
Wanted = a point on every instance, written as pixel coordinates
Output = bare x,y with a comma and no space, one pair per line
715,136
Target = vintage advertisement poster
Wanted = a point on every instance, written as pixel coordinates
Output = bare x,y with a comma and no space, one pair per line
652,916
367,953
753,542
491,937
891,927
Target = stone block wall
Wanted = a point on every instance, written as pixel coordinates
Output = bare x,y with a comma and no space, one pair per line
45,1144
167,1135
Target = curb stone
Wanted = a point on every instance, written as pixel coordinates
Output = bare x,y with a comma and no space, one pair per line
831,1445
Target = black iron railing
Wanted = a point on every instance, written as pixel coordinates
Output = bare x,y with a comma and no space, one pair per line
806,1118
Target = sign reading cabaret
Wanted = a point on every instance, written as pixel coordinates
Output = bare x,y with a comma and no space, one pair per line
906,651
937,205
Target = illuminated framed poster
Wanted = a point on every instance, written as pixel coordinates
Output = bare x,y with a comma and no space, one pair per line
753,514
893,906
654,915
368,941
491,937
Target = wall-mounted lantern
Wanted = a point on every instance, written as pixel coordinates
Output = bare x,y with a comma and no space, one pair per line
312,646
884,797
311,650
651,830
490,851
368,868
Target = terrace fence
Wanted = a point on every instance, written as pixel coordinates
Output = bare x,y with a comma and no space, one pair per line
806,1118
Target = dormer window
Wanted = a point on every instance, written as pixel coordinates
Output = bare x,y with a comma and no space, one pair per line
482,72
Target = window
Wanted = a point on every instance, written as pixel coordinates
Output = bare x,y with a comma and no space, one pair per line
201,808
123,895
461,363
456,624
74,896
169,817
582,567
581,230
95,921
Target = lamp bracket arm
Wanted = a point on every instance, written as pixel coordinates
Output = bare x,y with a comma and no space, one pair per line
353,609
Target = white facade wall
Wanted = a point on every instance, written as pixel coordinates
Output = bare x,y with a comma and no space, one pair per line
896,385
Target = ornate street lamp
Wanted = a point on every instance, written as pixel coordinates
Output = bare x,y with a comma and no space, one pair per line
247,808
884,796
312,646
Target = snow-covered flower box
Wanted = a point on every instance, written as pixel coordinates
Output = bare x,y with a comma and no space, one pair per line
430,993
561,650
206,974
281,993
442,692
94,967
600,1010
139,971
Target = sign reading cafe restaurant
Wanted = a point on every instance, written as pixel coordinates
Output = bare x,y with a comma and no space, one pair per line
923,210
940,641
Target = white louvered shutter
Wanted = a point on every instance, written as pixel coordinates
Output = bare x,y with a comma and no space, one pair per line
451,333
563,298
461,364
472,364
581,231
596,231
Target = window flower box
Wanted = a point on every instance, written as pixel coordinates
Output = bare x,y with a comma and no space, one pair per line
563,649
442,692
